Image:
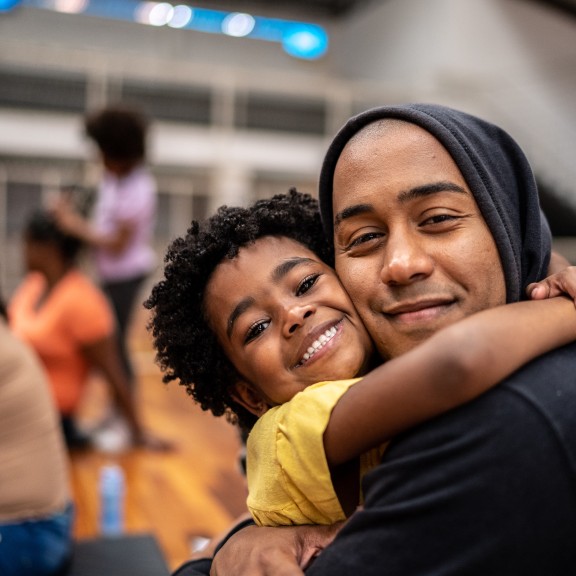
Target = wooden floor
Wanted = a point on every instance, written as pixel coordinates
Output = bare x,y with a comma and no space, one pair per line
194,490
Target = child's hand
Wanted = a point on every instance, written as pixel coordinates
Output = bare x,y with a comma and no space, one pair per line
561,283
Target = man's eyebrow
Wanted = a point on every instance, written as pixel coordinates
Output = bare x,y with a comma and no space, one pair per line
277,274
403,197
350,212
239,309
428,189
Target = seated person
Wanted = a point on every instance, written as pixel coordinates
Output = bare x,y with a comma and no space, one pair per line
69,323
35,501
287,347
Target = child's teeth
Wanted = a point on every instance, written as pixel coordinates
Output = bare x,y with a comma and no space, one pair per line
317,344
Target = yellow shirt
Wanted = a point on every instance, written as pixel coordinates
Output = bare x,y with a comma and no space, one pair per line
288,476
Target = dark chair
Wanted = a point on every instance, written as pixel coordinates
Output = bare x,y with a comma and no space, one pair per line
126,555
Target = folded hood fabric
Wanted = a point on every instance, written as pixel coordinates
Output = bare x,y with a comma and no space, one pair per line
496,171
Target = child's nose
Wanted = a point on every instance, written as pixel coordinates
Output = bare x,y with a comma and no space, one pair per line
295,317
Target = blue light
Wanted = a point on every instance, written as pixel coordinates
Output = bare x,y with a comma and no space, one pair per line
207,20
305,41
6,5
299,39
182,16
238,24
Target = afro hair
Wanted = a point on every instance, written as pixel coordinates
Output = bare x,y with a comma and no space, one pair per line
187,349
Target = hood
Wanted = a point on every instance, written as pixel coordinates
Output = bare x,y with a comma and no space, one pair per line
496,171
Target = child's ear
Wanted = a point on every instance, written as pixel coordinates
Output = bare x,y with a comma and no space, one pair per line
244,394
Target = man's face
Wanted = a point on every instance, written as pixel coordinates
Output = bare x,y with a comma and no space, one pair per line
412,248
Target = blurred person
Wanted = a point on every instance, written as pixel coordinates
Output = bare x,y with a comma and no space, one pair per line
36,511
69,323
122,227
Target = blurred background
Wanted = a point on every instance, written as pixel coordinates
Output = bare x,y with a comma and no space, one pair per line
244,96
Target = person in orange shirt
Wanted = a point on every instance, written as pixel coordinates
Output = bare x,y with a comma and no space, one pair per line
68,321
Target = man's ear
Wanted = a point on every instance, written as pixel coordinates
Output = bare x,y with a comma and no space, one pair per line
244,394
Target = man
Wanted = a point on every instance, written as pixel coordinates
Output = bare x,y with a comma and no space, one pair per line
441,216
435,216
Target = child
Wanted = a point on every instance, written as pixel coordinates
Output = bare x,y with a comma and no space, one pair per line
254,322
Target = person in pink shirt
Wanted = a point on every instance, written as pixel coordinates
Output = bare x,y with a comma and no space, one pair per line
124,217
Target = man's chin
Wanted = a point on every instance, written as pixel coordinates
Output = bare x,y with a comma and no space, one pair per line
392,343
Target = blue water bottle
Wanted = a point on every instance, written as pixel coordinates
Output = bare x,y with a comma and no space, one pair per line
111,500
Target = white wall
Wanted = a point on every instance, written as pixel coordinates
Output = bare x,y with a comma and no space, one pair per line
103,49
511,61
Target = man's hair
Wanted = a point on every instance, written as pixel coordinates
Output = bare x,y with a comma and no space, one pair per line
186,347
119,132
41,227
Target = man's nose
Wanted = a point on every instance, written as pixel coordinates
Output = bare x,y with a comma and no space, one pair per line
295,315
406,260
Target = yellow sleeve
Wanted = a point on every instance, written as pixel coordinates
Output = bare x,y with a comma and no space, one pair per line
288,476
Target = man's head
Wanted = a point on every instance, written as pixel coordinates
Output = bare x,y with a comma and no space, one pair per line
434,216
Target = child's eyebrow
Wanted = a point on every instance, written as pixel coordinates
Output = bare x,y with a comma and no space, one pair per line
282,269
277,274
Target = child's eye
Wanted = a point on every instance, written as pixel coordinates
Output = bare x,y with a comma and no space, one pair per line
306,284
256,329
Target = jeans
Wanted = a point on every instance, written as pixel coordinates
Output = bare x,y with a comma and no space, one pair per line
39,547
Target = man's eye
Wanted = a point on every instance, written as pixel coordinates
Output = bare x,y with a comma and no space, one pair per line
363,239
255,330
439,219
306,284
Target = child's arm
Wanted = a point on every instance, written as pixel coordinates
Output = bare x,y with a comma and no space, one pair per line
454,366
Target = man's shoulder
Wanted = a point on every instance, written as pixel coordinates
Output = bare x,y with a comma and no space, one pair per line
547,386
534,407
548,383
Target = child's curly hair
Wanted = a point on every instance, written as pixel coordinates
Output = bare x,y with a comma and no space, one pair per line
186,347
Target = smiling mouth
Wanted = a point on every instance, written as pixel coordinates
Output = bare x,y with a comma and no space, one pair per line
318,344
420,311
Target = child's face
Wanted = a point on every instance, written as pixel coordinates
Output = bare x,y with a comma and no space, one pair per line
273,304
